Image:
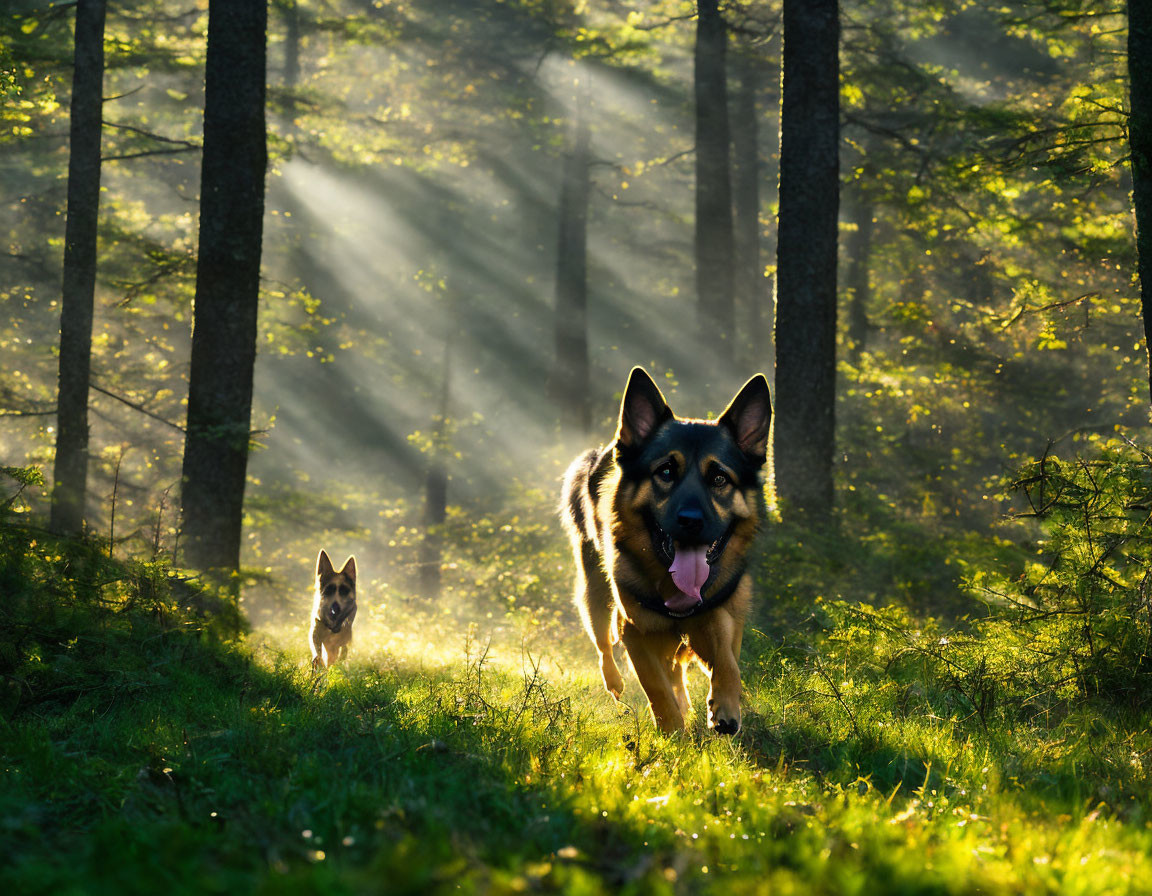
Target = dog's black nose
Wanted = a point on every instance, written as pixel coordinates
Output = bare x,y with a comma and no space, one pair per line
334,609
690,519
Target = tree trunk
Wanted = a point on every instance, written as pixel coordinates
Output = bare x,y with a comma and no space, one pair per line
435,513
436,486
1140,137
806,259
227,286
859,281
714,253
290,11
79,274
749,286
291,44
571,376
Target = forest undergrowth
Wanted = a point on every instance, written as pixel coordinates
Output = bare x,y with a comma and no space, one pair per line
150,743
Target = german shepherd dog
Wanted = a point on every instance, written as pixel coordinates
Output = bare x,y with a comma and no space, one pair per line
333,611
661,522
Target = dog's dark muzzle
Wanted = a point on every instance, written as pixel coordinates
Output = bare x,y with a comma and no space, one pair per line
665,544
336,622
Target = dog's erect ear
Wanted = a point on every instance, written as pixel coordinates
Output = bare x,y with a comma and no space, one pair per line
324,565
642,410
749,417
349,570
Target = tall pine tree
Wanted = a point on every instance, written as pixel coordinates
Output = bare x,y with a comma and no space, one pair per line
805,423
570,375
79,277
1140,137
227,286
714,251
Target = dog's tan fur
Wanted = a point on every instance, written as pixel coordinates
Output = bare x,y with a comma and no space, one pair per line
661,649
603,512
335,596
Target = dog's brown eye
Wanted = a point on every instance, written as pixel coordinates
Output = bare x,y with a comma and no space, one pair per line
329,590
666,472
344,590
720,480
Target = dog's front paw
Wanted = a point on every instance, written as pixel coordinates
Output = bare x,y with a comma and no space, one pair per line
613,680
317,663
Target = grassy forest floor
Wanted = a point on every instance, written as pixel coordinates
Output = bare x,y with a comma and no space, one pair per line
144,751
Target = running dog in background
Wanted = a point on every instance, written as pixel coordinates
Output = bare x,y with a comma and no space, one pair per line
333,611
661,523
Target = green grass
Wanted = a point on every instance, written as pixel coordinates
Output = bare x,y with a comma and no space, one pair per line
140,753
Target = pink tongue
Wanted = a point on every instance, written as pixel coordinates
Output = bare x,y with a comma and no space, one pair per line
689,572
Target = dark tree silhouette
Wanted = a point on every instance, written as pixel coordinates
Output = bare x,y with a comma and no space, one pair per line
749,291
806,258
289,14
714,252
435,514
227,285
79,275
570,387
436,484
1140,137
859,285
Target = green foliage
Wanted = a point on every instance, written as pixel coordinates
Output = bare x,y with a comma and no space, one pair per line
1080,610
58,589
23,477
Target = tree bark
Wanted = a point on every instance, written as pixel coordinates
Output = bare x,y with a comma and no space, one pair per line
436,485
291,44
435,513
714,251
290,11
750,294
79,272
571,380
859,278
806,259
1140,137
227,286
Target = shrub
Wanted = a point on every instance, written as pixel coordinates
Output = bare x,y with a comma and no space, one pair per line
1081,610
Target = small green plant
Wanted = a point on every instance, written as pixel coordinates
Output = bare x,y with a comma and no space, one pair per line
1083,606
23,477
